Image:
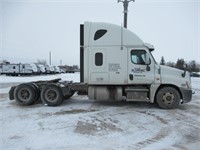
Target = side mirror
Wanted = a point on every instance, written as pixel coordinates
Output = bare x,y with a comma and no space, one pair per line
148,68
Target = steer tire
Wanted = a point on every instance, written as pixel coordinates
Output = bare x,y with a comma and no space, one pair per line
51,95
24,94
168,98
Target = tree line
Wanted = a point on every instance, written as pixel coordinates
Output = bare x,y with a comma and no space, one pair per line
192,66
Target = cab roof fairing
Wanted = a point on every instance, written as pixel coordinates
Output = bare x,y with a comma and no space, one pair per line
149,46
115,35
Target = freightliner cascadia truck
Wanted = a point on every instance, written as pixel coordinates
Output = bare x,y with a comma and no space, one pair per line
115,64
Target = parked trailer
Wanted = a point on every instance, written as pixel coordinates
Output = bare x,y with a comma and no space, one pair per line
18,69
115,64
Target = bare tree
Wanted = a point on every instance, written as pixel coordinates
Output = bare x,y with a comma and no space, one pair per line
180,64
41,62
193,66
171,64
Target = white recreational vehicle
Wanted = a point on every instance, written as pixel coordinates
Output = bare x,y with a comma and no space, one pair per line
47,69
41,69
18,69
34,68
52,70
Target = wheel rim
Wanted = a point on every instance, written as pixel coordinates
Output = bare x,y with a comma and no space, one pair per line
168,98
51,95
24,94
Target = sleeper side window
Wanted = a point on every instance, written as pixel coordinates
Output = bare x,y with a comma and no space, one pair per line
99,33
98,59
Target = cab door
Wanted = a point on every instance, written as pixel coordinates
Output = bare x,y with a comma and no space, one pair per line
140,67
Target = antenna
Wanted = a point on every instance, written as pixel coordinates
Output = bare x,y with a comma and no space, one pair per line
125,2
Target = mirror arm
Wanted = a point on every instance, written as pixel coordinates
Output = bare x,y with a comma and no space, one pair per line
185,70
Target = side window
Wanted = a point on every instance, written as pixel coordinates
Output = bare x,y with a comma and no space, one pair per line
99,33
98,59
138,57
13,67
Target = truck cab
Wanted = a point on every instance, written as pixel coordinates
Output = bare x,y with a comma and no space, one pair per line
117,64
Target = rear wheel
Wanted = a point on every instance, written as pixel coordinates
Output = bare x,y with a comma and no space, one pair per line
37,92
51,95
168,98
24,94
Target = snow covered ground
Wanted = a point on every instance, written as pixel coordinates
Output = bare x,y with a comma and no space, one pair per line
82,124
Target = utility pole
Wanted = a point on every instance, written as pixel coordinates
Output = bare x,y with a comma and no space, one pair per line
125,3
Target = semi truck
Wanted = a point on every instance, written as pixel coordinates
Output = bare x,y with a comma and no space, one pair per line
115,64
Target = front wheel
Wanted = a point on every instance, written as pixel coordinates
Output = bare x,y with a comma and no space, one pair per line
51,95
168,98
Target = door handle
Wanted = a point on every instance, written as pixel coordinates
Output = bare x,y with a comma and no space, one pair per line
148,68
130,76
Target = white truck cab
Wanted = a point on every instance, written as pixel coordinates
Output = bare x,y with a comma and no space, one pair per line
117,64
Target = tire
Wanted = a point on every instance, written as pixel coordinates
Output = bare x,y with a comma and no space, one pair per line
11,93
24,94
37,91
51,95
168,98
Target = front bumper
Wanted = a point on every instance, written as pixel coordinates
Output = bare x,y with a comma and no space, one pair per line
186,95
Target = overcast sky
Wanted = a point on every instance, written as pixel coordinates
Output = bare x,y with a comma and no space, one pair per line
30,29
